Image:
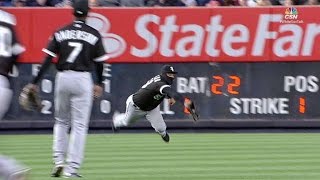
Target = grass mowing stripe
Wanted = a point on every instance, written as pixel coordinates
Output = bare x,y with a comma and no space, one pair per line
244,152
187,157
179,144
183,158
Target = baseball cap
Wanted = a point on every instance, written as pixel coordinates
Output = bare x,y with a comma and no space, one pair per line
80,7
168,69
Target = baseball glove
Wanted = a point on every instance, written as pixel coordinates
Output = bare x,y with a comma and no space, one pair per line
192,110
29,99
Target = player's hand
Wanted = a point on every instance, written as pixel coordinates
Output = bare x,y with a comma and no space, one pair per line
172,101
187,103
29,98
192,109
33,87
97,91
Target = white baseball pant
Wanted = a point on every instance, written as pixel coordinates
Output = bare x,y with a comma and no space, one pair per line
5,95
134,113
73,103
10,169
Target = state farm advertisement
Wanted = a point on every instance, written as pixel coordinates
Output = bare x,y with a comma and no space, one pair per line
185,34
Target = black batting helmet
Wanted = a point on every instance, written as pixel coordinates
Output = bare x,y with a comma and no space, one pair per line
80,8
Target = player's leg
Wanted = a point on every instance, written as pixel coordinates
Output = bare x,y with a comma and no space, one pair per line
62,124
132,114
5,99
5,96
155,118
81,104
10,169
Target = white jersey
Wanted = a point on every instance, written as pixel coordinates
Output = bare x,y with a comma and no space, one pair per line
9,44
9,49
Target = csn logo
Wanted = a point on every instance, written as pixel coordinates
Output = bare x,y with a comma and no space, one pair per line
291,13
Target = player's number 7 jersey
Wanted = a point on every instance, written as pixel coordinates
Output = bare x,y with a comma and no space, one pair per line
78,46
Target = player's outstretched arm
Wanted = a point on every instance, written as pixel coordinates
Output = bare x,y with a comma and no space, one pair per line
45,65
186,103
98,85
28,97
176,96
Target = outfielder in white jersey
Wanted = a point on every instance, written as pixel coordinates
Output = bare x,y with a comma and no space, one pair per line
10,49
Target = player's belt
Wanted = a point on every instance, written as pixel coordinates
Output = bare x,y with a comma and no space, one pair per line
134,105
73,70
4,75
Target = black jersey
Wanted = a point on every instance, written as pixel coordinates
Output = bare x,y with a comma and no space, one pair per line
78,45
150,95
9,44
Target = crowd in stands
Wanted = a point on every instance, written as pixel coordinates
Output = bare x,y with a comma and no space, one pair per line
152,3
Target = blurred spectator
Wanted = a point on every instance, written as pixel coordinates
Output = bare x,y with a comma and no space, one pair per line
202,2
277,2
167,3
252,3
68,3
231,3
93,3
150,3
313,2
19,3
288,3
264,3
190,2
64,3
5,3
291,2
214,3
33,3
243,3
109,3
132,3
161,3
124,3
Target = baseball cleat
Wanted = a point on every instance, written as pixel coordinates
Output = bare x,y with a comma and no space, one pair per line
57,171
20,175
114,128
166,137
72,175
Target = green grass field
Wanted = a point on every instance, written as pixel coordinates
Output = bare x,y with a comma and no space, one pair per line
186,157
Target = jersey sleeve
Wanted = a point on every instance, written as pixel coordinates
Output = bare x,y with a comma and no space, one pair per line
52,48
17,48
172,94
100,54
162,87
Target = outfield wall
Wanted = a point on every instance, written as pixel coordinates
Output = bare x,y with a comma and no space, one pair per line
259,69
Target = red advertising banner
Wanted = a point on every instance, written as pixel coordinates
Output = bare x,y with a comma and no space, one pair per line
185,34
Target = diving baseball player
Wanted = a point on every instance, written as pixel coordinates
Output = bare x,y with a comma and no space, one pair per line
145,102
10,48
79,49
